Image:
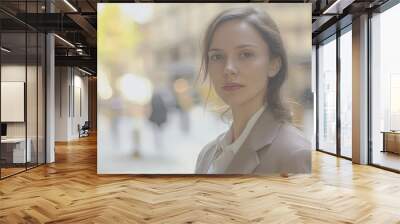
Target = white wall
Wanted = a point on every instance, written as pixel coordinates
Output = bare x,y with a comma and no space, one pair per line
80,100
70,84
62,81
12,73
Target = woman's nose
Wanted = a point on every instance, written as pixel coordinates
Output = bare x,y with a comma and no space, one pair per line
230,68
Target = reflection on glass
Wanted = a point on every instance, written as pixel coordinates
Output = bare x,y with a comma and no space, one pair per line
345,94
385,86
327,96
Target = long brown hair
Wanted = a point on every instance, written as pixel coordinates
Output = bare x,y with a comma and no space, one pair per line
269,31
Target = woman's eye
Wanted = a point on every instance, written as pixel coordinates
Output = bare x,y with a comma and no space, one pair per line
216,57
246,55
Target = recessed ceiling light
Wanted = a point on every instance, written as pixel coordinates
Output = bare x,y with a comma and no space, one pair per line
64,40
337,7
5,50
84,71
70,5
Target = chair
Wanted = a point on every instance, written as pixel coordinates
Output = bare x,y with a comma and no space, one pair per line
84,130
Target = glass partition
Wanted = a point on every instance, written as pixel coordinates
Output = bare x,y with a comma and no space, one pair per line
35,87
14,154
31,100
22,91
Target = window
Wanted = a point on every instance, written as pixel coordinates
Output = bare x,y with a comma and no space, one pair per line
327,96
346,94
385,89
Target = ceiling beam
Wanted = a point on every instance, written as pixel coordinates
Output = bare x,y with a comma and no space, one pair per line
75,61
84,24
337,7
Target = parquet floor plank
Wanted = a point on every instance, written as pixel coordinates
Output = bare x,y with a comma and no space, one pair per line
70,191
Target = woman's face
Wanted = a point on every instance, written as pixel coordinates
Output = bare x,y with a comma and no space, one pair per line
239,63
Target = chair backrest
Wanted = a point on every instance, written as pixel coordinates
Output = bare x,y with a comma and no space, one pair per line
86,125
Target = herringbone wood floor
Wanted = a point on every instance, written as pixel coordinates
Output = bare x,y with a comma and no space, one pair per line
70,191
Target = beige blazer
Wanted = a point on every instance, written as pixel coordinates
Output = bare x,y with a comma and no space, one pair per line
272,147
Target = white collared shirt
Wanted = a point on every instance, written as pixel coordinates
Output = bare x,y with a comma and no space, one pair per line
227,149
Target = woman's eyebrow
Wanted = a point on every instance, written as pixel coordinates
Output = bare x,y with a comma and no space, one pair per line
240,46
246,45
214,49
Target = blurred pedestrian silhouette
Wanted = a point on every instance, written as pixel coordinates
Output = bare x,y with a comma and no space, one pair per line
158,117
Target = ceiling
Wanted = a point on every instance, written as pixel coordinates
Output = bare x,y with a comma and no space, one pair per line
76,26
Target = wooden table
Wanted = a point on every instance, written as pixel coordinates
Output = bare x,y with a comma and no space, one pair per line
391,141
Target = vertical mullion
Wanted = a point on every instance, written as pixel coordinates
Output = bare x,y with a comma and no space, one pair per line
369,89
69,92
338,73
0,94
37,89
45,94
45,88
60,88
317,96
26,86
72,93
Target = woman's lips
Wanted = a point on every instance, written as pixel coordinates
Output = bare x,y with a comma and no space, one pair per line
232,87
